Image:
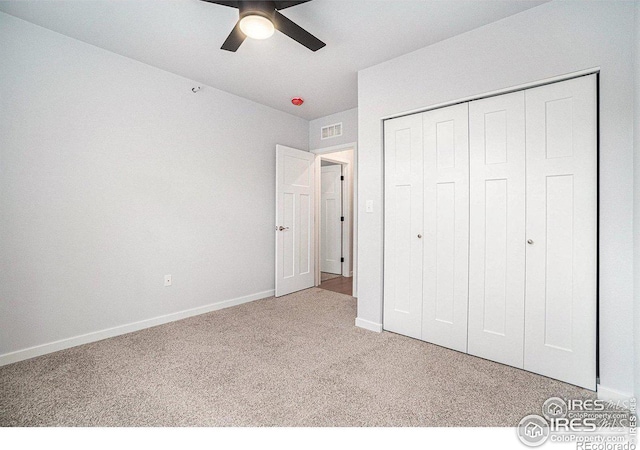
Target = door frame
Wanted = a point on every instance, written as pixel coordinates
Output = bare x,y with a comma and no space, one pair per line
349,242
345,240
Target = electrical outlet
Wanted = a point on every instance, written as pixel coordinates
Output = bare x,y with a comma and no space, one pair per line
167,280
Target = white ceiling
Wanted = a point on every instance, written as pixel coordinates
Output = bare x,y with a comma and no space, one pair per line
184,37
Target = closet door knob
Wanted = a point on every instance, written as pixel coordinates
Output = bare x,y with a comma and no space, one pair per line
530,241
419,236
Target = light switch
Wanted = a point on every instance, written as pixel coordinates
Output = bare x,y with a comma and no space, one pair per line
167,280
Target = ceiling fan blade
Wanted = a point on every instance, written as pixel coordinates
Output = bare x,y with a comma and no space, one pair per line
229,3
285,4
296,32
235,38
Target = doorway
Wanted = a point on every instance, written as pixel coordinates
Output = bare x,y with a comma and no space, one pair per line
335,218
298,236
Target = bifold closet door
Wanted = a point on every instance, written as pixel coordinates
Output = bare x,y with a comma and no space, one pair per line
403,225
446,226
497,228
560,326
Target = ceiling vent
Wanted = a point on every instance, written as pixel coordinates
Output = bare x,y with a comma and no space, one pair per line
331,131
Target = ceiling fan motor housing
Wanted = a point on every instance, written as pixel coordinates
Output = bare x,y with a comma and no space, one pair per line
264,9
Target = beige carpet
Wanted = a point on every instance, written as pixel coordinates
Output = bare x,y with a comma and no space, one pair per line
293,361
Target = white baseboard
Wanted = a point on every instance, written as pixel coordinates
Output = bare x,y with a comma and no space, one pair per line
368,325
608,394
62,344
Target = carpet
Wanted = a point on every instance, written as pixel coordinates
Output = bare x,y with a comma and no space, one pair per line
296,360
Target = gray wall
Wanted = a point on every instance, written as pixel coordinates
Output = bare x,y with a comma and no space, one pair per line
555,38
112,174
349,119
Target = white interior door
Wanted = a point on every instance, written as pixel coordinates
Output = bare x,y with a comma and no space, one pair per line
561,228
295,250
331,219
497,228
403,222
446,226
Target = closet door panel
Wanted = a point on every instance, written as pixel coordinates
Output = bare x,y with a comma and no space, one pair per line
403,223
561,258
446,226
497,228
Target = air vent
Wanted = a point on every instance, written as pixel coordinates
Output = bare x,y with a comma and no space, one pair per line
331,131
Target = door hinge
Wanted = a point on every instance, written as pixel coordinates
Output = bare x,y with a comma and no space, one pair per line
342,219
341,259
341,177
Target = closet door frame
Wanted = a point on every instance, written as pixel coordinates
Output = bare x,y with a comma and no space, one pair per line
521,87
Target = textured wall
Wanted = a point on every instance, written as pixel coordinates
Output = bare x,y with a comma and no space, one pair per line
112,174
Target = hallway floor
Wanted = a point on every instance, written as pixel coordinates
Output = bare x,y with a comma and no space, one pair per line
337,283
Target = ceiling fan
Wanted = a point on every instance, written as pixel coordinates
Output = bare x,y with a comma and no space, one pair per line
259,20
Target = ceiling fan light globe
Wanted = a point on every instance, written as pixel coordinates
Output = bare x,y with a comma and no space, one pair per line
256,27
